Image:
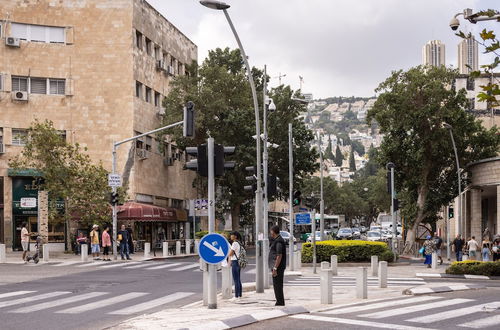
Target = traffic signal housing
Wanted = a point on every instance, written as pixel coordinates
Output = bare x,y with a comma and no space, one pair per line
188,128
220,163
451,212
272,185
200,164
297,199
251,170
113,198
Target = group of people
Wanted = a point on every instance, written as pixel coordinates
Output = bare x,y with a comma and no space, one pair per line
124,238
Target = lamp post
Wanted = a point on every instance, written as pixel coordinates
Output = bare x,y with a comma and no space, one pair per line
259,274
459,203
321,201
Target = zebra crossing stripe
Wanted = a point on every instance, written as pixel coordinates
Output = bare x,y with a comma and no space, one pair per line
120,264
88,264
165,266
102,303
455,313
152,304
482,323
15,293
64,301
67,263
415,308
398,302
141,265
9,303
185,267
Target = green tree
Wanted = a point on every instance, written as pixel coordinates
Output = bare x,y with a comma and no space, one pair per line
358,147
329,150
352,161
371,166
411,108
339,158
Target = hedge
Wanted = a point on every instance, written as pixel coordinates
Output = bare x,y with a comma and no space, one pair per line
473,267
347,250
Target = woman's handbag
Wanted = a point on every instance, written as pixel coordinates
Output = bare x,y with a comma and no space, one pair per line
421,251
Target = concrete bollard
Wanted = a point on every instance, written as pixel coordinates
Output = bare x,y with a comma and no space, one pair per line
382,274
434,260
326,283
165,249
188,246
204,268
196,246
3,254
298,263
465,257
361,283
334,262
147,249
178,248
374,265
227,286
84,252
46,253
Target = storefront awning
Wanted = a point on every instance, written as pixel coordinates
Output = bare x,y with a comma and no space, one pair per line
146,212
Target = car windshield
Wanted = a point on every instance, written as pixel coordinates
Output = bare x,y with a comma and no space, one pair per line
345,231
355,229
373,234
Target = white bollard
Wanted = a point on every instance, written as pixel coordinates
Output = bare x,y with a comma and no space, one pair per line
465,257
434,260
227,286
204,268
382,274
361,283
46,253
298,263
188,246
84,252
374,265
165,249
334,263
326,283
196,246
147,249
178,248
3,255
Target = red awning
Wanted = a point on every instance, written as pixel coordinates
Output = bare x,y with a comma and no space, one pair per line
146,212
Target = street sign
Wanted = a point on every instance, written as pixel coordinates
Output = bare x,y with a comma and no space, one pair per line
114,180
302,218
27,202
214,248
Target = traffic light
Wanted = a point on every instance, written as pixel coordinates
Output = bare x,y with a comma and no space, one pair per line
200,164
297,200
396,204
272,185
220,163
113,198
188,129
451,212
389,185
309,202
251,179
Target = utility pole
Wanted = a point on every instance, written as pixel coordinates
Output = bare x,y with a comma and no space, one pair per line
265,219
290,194
321,202
212,269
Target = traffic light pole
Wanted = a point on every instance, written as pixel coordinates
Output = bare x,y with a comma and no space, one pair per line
393,213
321,202
212,269
265,241
290,201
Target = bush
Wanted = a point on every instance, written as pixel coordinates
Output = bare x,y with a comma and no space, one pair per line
473,267
200,234
346,250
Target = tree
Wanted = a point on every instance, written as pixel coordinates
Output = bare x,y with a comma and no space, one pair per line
339,158
329,150
358,147
371,167
352,161
410,110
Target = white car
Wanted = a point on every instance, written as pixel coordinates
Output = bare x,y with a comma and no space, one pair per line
318,236
374,235
286,237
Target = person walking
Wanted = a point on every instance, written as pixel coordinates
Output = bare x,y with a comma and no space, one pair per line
123,237
429,249
458,246
94,242
233,257
106,243
438,241
277,255
25,240
496,249
472,246
486,250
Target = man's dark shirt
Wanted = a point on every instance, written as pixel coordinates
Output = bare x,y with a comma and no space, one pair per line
125,236
278,246
459,244
438,241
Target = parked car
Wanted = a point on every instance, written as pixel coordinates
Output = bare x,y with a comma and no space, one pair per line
386,234
318,236
345,233
375,227
286,237
374,235
356,232
363,229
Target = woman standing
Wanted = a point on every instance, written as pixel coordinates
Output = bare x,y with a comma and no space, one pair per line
486,249
233,257
106,243
429,248
496,249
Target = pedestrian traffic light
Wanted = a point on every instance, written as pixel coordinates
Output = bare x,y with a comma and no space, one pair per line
396,204
113,198
272,185
188,129
297,200
251,178
220,163
200,164
451,212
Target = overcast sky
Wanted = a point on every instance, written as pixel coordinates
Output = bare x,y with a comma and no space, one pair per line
340,47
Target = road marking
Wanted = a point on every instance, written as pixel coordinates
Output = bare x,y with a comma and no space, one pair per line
102,303
454,313
356,322
138,266
64,301
482,323
415,308
165,266
91,263
185,267
15,293
152,304
380,305
67,263
32,298
121,264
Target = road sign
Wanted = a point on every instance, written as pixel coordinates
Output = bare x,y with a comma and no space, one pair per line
213,248
27,202
302,218
114,180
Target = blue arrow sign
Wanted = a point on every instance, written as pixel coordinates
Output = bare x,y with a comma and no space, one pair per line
213,248
302,219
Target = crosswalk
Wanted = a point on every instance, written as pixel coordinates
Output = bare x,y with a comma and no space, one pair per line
423,312
340,281
65,302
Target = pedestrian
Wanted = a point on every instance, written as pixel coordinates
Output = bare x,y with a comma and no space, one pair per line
123,237
25,240
106,243
486,250
438,241
458,245
472,246
429,249
80,240
277,255
496,249
94,242
233,257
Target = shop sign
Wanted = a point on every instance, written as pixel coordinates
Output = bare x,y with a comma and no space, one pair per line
28,202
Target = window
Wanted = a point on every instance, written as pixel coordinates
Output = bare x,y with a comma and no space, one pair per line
172,61
20,83
138,142
38,33
470,84
148,94
157,52
149,143
19,136
57,86
138,39
176,203
38,86
165,58
148,46
1,82
179,68
138,89
157,99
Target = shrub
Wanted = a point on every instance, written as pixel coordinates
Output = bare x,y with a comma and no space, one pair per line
473,267
347,250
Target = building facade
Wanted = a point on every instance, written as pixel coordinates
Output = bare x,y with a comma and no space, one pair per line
433,53
99,70
468,59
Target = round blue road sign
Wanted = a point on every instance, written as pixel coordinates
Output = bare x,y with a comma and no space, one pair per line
213,248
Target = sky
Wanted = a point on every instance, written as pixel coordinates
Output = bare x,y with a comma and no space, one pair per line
339,47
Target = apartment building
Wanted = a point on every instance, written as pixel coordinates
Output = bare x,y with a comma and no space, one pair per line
433,53
99,70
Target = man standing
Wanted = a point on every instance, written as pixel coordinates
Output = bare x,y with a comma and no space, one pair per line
123,237
438,242
94,242
277,255
473,247
25,240
458,245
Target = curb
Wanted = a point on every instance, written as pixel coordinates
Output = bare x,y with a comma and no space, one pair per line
441,289
465,277
247,319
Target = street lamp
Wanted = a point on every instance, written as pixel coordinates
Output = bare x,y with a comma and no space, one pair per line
473,18
259,274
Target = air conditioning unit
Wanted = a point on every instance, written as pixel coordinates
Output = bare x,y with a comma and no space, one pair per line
142,154
160,65
169,161
2,148
13,42
170,70
19,95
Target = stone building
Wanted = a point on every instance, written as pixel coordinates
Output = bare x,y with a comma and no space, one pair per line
99,70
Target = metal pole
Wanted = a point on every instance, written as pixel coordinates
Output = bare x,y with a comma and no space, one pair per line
212,269
115,214
448,252
265,241
290,193
459,204
393,213
321,202
313,224
259,275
